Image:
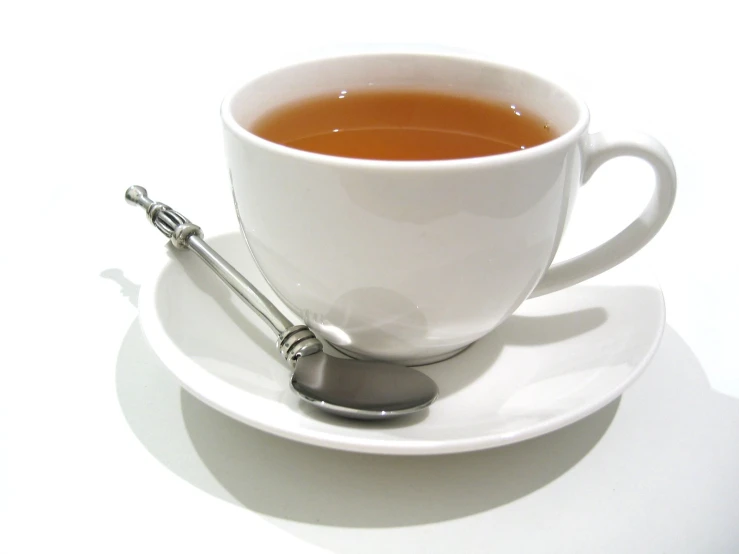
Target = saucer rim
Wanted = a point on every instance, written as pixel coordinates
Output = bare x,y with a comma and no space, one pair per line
254,410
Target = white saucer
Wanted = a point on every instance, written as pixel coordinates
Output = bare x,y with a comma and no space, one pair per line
558,359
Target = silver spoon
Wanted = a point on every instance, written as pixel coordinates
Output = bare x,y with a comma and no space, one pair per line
348,388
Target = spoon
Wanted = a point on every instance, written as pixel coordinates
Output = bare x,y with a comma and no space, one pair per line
348,388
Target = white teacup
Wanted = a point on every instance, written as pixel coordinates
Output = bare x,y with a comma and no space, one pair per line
412,261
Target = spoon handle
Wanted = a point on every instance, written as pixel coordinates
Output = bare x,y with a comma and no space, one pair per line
293,341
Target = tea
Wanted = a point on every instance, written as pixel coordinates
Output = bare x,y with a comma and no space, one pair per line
403,125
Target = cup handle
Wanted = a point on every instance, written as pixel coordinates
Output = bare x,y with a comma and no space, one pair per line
598,149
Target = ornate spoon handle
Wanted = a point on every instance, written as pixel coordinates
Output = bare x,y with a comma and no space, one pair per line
293,341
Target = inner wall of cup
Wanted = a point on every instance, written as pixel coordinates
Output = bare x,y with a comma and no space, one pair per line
406,71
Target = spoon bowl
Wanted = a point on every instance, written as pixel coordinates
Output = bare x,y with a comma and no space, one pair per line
361,389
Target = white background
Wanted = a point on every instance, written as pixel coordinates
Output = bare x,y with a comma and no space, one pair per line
97,96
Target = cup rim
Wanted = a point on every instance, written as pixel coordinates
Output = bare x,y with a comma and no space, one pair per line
548,147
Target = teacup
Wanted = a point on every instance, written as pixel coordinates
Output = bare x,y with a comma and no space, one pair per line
412,261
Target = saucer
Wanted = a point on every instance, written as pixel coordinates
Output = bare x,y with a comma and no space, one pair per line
559,358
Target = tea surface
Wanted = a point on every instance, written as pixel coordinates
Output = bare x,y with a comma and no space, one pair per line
402,125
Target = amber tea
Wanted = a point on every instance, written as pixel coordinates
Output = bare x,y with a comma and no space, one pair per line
403,125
